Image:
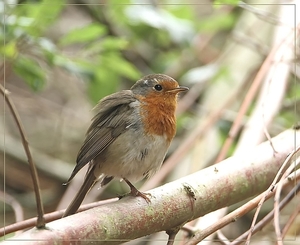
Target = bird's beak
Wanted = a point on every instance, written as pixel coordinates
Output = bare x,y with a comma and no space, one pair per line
178,89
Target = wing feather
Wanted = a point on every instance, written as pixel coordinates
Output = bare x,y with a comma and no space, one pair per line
110,121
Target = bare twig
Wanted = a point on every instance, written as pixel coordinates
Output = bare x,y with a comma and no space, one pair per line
172,234
222,238
138,218
29,223
269,216
271,94
189,98
280,173
188,229
277,198
17,208
33,171
249,97
291,220
241,211
237,122
263,15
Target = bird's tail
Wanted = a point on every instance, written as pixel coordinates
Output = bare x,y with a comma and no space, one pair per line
88,183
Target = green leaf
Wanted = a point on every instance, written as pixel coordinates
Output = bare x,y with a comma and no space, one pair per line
113,43
107,44
47,12
30,71
181,11
218,22
180,30
85,34
36,17
9,50
115,63
80,67
223,2
104,83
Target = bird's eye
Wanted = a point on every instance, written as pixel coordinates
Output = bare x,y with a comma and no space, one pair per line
158,87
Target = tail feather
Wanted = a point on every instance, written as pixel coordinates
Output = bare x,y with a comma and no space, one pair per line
88,183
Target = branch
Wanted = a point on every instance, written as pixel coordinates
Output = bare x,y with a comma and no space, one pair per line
220,185
260,111
29,223
283,172
15,205
35,180
262,223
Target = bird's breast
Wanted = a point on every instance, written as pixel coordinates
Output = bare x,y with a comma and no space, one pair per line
133,155
158,117
140,150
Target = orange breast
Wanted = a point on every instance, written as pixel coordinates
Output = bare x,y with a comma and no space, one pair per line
158,114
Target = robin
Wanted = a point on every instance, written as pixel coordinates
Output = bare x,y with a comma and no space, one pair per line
129,136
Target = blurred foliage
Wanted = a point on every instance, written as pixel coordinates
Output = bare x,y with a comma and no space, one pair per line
119,42
23,25
233,2
30,71
122,42
112,44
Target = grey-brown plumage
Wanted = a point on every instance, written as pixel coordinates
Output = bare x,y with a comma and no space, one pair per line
107,125
129,135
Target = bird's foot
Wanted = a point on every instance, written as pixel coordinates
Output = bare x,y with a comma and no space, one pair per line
135,192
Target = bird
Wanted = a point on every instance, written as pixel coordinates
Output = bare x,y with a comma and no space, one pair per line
129,136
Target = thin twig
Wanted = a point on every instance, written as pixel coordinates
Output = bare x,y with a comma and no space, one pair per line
249,97
222,238
263,15
33,171
239,212
277,198
29,223
269,216
16,206
190,97
290,221
172,234
281,171
188,229
268,136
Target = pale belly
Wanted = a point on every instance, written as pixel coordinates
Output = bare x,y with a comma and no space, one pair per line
132,156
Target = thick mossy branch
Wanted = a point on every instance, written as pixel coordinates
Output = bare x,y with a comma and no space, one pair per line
173,204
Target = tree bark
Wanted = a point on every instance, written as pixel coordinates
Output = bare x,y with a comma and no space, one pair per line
173,204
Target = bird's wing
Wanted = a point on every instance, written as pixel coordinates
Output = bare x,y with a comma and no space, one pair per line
110,121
